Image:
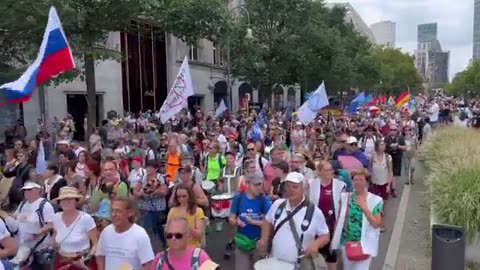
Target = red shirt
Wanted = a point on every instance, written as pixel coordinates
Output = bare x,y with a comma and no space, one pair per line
325,203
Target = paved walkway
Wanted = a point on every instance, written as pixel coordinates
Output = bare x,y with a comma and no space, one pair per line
414,251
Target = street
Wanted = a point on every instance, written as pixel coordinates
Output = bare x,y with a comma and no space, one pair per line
216,240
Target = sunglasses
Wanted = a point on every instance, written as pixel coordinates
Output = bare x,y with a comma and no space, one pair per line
258,184
177,236
251,149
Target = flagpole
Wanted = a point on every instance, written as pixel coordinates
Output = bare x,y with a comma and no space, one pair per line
41,100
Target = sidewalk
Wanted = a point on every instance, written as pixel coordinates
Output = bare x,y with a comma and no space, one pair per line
415,247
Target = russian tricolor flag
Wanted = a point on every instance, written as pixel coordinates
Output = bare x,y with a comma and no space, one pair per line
54,57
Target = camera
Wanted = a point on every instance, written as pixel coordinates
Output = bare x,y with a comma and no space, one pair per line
150,186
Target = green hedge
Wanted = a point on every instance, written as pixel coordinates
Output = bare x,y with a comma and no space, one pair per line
452,158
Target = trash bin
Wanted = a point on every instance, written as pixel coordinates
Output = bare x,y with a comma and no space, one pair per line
448,247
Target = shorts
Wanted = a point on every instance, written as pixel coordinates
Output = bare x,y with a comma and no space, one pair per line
330,256
379,190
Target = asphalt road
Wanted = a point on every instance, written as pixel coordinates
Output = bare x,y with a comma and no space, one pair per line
216,241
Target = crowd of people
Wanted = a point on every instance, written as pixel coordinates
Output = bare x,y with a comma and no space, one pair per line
140,188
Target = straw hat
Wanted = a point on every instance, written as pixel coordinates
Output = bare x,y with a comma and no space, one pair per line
68,193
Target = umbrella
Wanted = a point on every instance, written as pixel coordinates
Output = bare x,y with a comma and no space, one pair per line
350,163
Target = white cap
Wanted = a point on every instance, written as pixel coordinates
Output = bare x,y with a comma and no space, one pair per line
299,123
351,140
294,177
63,142
31,185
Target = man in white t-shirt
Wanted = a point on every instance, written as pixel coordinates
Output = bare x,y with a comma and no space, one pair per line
312,230
32,215
123,244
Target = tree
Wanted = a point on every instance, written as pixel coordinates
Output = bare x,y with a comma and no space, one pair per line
336,53
301,42
87,22
271,58
397,71
466,82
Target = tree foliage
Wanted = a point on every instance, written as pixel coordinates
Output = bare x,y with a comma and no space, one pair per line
301,42
397,71
466,82
88,22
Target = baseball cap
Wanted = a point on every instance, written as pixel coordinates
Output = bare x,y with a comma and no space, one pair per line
351,140
294,177
31,185
137,159
321,137
64,142
282,165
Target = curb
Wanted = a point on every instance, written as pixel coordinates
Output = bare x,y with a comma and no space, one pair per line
395,240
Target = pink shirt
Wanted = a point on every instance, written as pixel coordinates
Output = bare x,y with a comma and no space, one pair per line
182,262
269,175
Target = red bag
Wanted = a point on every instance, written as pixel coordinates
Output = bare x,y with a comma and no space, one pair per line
353,249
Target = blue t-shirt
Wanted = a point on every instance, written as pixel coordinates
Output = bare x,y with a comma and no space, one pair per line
103,210
252,208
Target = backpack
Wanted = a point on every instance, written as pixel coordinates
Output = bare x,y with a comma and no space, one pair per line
220,161
260,162
307,219
12,233
194,263
462,115
39,211
239,202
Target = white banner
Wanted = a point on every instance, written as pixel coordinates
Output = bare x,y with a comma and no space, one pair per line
177,97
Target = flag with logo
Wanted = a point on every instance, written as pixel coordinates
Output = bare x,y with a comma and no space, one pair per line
316,101
177,97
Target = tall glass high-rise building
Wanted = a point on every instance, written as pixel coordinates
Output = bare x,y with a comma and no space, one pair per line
427,32
476,31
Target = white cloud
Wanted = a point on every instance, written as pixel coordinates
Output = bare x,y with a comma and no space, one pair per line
454,18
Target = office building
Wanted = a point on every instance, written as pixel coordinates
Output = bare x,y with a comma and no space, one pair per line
385,33
353,17
476,31
427,32
431,61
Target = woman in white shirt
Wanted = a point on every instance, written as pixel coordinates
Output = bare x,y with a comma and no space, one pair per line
357,231
74,233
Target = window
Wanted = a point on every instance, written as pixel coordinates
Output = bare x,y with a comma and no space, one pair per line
193,52
218,54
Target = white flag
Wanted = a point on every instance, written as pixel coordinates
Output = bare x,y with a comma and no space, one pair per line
317,100
177,97
220,109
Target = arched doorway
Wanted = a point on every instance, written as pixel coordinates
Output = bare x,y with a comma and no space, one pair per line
243,90
220,92
291,97
277,98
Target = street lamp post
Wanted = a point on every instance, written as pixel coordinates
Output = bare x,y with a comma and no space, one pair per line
248,35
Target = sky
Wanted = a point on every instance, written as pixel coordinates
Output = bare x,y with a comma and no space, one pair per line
454,18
